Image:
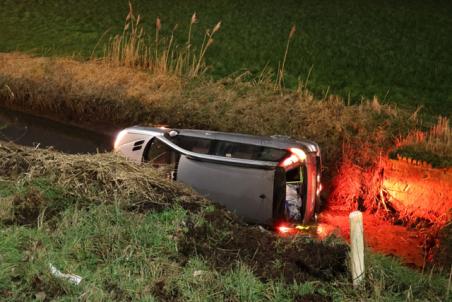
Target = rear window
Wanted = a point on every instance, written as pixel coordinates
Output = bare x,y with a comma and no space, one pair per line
228,149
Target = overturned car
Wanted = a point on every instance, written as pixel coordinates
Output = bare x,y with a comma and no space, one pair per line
265,180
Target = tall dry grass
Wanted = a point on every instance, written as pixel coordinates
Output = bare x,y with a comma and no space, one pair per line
279,83
159,55
438,139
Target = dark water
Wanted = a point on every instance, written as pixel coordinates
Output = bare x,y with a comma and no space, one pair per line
28,130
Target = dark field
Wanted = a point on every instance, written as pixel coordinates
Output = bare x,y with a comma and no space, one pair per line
399,51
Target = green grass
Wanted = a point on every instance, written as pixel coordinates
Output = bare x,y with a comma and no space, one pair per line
125,255
398,51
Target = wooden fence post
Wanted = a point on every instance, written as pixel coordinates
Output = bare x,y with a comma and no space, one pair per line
357,247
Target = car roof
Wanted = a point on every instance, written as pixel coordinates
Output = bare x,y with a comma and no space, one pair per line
276,141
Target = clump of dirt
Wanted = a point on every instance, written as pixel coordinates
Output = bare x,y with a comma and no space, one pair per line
313,297
223,241
13,161
161,292
45,290
27,208
34,204
192,205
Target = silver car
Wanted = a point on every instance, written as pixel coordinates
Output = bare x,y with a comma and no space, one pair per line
265,180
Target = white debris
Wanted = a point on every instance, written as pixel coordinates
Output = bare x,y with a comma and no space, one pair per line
198,273
293,202
69,277
262,229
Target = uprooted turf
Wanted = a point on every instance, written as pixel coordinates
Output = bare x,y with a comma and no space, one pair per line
145,238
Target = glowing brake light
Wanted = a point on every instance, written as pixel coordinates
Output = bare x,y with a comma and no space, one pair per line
284,229
296,156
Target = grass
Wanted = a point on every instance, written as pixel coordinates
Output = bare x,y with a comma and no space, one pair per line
396,51
433,146
130,253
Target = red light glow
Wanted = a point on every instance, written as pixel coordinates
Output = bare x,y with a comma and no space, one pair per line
285,230
320,230
296,156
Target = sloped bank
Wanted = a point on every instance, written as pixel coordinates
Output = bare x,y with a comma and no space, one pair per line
132,234
107,178
55,196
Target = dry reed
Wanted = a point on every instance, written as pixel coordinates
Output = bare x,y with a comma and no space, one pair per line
279,84
163,56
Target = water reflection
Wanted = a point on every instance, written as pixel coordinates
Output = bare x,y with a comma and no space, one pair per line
28,130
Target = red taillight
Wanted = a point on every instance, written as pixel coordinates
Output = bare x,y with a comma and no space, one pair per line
296,156
284,229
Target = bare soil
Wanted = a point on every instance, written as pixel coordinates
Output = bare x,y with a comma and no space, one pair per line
266,253
381,235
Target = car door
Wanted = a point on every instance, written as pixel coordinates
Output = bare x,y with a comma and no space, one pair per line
247,191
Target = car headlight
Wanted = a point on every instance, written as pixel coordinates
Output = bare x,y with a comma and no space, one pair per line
119,138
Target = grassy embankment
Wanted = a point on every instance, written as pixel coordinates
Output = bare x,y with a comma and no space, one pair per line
134,235
399,52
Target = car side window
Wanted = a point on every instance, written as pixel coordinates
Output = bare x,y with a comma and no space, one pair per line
193,144
162,157
228,148
247,151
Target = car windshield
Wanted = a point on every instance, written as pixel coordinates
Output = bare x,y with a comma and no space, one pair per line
228,149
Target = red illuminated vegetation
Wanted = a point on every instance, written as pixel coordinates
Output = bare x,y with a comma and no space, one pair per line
403,191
